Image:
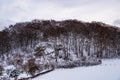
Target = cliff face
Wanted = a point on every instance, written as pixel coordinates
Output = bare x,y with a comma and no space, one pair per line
81,38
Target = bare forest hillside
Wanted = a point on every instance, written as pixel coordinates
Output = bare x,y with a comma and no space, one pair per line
42,45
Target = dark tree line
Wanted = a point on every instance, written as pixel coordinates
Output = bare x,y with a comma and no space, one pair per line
82,38
4,42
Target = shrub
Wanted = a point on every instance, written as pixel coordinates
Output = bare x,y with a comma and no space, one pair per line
33,69
32,66
1,70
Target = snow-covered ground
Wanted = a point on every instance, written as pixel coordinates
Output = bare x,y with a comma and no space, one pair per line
108,70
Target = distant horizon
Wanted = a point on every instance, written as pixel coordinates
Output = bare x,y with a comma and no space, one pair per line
3,27
13,11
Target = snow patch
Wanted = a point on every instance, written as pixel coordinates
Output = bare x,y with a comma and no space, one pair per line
108,70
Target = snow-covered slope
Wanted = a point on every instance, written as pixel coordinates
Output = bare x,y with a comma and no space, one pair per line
108,70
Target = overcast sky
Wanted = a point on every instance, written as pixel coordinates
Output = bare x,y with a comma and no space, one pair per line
12,11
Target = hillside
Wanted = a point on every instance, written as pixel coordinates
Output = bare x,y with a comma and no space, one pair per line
43,45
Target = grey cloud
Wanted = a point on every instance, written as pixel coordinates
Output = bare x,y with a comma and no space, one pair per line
22,10
117,22
5,23
73,3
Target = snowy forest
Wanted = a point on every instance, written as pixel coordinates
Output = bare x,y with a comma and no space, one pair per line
28,49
